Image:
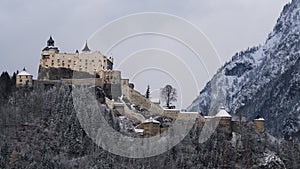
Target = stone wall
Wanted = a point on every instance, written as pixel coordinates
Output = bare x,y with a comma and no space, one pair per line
61,73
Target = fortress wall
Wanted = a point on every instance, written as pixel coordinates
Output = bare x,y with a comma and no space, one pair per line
109,103
136,98
87,81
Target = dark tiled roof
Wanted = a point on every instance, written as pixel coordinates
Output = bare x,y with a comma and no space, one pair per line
86,48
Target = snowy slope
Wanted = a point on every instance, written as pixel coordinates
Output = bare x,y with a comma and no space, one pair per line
265,79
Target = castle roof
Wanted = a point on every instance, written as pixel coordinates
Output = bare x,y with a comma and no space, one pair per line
50,42
259,118
223,113
24,73
86,48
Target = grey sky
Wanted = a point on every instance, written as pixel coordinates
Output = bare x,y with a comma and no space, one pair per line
231,25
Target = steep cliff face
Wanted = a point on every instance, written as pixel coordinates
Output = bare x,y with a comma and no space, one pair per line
61,73
265,79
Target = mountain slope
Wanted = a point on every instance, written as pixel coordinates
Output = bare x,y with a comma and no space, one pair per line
265,79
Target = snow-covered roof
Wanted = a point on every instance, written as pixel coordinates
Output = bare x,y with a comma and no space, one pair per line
185,112
259,118
223,113
151,120
118,104
209,117
24,73
138,130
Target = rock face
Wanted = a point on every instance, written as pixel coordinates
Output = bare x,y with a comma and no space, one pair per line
265,79
61,73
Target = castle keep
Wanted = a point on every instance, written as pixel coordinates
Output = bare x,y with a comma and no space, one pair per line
84,61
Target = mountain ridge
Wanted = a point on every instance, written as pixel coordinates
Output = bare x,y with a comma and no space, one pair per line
250,74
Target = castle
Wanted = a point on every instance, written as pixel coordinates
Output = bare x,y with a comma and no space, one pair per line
85,61
79,68
94,69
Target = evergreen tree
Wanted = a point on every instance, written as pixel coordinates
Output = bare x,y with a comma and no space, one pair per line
148,92
5,85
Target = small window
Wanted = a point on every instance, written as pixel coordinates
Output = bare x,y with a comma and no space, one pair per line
20,80
69,66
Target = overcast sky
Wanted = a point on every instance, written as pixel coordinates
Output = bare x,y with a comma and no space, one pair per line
231,25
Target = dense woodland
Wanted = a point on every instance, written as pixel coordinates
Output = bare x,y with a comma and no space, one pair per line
40,129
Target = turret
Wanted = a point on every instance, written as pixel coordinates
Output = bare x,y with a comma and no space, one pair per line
86,49
24,79
50,42
50,46
150,127
224,120
259,124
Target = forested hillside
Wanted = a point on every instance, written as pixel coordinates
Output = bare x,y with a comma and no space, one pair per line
40,129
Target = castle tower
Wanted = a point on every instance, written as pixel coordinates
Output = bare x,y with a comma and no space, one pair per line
86,49
50,42
24,79
224,120
259,124
50,47
151,127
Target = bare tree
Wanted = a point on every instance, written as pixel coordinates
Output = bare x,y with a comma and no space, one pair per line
168,94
